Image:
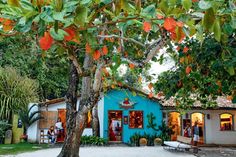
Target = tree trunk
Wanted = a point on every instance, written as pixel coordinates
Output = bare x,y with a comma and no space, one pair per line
76,120
95,121
70,147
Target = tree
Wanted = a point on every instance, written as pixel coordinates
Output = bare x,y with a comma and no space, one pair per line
205,70
23,53
16,92
96,34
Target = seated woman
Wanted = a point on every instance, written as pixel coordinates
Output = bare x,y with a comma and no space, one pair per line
51,134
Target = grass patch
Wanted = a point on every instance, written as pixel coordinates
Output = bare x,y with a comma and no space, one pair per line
6,149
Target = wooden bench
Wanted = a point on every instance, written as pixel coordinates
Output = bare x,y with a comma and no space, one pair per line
182,143
43,138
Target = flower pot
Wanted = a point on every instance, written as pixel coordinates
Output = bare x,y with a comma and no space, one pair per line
24,137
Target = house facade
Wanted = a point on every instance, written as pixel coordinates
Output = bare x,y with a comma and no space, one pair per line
216,125
121,113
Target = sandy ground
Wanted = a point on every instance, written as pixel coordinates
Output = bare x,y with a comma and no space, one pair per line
109,152
217,152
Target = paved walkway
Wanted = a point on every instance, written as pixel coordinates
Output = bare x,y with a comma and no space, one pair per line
110,152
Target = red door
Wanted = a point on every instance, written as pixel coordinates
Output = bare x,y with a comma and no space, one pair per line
115,126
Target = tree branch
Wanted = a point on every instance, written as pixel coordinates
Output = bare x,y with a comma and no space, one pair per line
152,50
124,38
73,58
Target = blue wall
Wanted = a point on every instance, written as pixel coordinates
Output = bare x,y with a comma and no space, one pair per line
111,102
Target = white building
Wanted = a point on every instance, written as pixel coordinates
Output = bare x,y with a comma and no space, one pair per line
217,125
51,110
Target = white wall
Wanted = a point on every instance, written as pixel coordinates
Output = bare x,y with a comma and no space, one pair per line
34,131
213,135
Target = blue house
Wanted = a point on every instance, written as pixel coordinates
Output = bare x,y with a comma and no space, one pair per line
123,113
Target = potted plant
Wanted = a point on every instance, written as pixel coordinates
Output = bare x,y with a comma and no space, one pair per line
28,117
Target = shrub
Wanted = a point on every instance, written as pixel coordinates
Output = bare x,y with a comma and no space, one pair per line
93,140
135,139
3,128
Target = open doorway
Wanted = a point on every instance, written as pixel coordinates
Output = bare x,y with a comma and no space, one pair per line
115,126
61,133
174,122
199,118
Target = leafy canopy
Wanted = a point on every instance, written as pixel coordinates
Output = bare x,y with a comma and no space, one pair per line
118,31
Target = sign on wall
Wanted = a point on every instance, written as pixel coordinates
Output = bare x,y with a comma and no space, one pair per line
127,104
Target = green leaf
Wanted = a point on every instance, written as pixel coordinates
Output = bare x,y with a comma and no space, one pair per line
27,5
106,1
204,4
233,22
149,11
217,30
57,5
230,70
59,35
164,6
124,5
46,16
81,16
23,25
70,4
187,4
59,16
85,2
209,19
228,29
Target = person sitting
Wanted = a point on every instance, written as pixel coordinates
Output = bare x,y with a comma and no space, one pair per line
51,134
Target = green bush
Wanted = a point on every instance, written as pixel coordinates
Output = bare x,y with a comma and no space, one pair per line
3,128
93,140
134,139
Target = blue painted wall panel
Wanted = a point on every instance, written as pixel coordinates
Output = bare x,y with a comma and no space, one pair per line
111,102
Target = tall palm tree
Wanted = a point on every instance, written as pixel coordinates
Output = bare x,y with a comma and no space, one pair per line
16,92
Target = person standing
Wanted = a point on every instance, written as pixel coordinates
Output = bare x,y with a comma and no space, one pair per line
60,130
195,132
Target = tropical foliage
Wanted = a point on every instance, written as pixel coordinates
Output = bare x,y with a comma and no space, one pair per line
29,117
165,131
204,69
3,128
16,92
23,53
93,140
135,139
100,34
